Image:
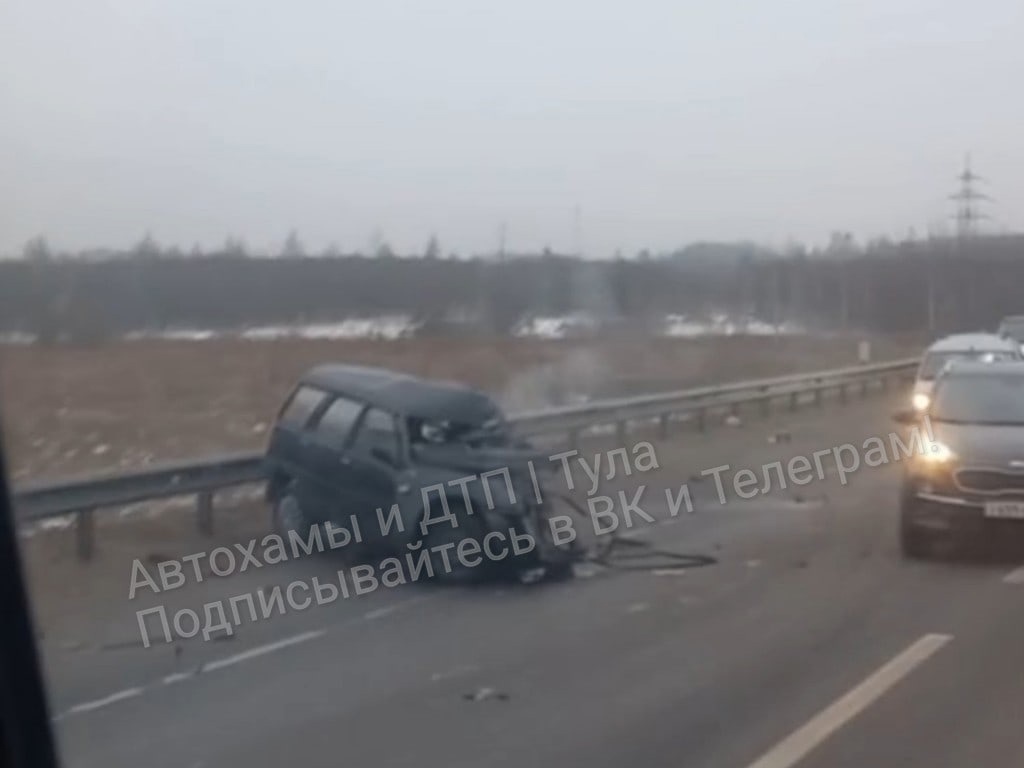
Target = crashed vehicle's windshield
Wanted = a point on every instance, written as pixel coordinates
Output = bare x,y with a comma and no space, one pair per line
445,417
454,431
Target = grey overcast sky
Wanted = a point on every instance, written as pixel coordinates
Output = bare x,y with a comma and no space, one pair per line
665,121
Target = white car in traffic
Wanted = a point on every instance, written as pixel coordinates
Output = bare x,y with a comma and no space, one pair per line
987,347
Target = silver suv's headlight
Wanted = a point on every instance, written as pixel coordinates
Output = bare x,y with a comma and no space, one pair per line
936,452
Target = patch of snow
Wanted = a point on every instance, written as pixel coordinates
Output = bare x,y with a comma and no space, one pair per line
719,324
384,327
172,334
17,337
555,326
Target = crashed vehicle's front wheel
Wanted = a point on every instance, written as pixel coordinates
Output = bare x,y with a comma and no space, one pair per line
556,559
443,541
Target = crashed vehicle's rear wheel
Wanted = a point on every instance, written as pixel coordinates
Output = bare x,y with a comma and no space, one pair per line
287,513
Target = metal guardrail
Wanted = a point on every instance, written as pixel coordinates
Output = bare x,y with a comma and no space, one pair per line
203,477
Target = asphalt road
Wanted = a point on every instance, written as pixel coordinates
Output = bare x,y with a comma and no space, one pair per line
810,642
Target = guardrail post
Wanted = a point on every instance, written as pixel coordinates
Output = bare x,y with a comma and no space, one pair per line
842,393
620,432
817,395
84,535
663,425
574,438
766,405
204,513
702,419
864,388
884,381
794,401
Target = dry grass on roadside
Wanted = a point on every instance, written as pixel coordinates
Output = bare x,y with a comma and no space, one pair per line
70,409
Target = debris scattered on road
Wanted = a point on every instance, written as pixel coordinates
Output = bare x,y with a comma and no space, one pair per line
780,437
118,645
732,420
483,694
531,575
585,570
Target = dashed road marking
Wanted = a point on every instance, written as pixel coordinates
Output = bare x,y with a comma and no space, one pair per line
262,650
89,706
176,677
797,745
228,661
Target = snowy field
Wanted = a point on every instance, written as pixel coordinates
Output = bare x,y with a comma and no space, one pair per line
392,327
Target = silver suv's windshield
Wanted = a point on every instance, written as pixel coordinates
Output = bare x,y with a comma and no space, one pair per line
973,399
934,362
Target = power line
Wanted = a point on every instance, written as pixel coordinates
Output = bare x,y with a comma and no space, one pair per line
968,200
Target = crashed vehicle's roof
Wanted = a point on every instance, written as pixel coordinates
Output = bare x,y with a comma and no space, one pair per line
404,393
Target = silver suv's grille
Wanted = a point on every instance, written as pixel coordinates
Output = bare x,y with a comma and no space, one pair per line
990,481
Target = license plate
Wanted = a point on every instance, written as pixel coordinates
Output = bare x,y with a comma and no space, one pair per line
1013,510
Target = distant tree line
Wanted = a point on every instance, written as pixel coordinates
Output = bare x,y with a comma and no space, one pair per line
936,284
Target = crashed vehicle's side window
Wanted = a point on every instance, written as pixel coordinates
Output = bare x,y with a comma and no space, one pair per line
378,431
337,421
300,407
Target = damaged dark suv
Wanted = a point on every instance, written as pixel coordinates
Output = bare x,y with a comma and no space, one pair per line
353,442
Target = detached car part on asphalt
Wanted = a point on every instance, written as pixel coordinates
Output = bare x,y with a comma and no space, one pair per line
350,440
969,481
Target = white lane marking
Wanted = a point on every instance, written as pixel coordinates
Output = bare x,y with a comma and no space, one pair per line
1014,577
262,650
89,706
177,677
379,613
797,745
